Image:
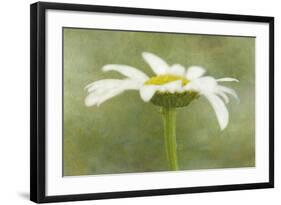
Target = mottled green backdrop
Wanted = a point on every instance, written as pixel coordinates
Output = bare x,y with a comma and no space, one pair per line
125,134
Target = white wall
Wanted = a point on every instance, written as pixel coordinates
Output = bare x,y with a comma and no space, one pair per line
14,100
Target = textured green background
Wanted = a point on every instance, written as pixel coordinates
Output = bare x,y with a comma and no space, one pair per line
125,134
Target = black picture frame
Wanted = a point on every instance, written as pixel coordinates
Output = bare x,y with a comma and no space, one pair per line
38,103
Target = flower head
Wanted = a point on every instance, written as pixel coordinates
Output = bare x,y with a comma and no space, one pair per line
172,86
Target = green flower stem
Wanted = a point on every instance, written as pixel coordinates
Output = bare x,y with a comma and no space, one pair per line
169,120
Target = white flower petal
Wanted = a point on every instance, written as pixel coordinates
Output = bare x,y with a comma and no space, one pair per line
91,99
194,72
223,96
203,85
98,98
101,94
147,92
128,71
177,69
227,80
131,84
106,83
228,91
220,110
171,87
114,92
157,64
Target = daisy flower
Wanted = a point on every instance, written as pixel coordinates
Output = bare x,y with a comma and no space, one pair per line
172,86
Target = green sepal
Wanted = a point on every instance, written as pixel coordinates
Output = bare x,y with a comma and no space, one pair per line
173,99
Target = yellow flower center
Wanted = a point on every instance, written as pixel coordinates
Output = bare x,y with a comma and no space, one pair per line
163,79
166,99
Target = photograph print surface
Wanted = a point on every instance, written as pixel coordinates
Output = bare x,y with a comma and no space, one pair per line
137,101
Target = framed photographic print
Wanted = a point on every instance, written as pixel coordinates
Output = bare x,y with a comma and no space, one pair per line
129,102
